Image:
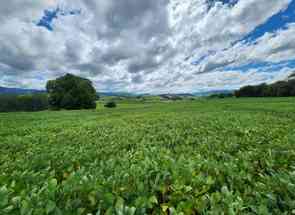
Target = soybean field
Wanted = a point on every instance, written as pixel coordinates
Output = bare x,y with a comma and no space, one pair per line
218,156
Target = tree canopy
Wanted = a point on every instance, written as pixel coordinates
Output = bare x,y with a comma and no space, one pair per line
71,92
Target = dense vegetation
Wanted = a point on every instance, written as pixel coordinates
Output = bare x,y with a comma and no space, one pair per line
232,156
110,104
221,95
30,102
277,89
71,92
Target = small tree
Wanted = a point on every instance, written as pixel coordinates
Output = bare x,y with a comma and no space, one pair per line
71,92
110,104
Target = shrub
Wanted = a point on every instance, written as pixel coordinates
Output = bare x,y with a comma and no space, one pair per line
222,95
110,104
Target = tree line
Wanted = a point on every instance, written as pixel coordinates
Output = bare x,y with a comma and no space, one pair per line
32,102
277,89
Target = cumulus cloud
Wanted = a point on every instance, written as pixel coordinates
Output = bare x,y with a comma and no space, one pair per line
142,46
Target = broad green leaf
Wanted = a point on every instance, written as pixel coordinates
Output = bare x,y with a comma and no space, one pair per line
50,206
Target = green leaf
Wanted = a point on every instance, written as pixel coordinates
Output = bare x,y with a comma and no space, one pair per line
25,209
8,209
263,210
50,206
52,186
120,206
153,200
16,200
53,182
3,197
98,212
81,211
109,199
109,212
130,211
188,189
92,199
164,207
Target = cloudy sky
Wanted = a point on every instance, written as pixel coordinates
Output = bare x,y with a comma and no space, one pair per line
147,46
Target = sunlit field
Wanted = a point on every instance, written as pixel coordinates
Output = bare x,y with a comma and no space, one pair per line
230,156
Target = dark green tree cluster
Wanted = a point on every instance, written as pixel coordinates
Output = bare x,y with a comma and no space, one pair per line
33,102
278,89
71,92
221,95
110,104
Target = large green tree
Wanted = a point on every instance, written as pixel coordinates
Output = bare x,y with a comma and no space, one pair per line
71,92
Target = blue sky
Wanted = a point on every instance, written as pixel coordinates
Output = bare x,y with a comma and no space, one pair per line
49,15
276,22
153,46
273,24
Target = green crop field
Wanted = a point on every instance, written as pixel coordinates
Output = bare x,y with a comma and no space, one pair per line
230,156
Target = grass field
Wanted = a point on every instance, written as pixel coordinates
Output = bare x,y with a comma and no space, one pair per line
231,156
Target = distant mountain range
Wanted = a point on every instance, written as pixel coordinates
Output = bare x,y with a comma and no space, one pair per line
121,94
212,92
5,90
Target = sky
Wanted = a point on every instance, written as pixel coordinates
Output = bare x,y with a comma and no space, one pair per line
147,46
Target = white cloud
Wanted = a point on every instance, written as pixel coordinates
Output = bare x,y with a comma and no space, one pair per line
272,47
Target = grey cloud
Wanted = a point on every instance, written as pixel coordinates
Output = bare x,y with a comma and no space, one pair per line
22,9
90,68
113,54
73,50
137,79
16,58
212,66
145,64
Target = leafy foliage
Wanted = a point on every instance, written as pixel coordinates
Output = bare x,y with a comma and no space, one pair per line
110,104
71,92
292,75
200,157
278,89
221,95
33,102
